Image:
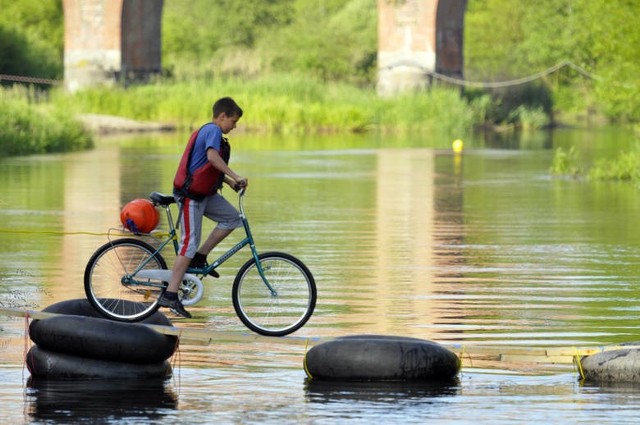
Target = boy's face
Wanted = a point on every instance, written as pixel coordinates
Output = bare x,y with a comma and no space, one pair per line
226,123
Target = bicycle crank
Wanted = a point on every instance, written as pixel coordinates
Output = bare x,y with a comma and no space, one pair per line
190,291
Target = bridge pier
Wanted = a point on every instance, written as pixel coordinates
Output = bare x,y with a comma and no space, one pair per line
416,38
110,40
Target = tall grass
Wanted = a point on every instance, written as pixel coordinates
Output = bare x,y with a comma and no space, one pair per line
284,104
28,127
625,167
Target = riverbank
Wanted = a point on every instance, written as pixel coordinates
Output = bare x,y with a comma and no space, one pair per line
100,124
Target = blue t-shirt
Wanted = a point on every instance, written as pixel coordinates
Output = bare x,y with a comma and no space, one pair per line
209,137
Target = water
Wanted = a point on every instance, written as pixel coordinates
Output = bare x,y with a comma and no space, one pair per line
403,238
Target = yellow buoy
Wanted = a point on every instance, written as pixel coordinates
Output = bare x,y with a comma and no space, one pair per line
457,146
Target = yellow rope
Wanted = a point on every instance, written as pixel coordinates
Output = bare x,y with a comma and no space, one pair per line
578,363
304,361
61,233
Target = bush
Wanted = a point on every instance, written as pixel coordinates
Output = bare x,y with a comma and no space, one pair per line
626,167
565,163
28,128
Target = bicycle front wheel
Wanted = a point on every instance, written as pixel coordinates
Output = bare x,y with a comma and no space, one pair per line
110,286
279,313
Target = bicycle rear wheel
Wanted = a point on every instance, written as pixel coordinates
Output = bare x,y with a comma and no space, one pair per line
286,311
112,290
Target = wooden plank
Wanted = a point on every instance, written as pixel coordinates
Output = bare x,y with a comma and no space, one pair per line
186,335
472,351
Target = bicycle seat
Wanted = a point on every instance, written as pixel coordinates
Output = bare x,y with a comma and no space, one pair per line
161,199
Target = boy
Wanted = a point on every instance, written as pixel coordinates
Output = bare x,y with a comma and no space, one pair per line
201,172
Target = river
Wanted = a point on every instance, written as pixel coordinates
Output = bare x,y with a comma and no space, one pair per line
404,237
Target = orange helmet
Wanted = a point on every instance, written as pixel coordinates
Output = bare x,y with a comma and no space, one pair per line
139,216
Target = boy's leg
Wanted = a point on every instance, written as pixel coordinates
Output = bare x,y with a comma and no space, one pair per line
215,237
169,298
221,211
180,267
191,229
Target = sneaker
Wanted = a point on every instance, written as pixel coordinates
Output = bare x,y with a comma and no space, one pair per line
196,263
174,305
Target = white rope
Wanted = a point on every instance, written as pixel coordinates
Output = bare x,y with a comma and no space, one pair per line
498,84
442,77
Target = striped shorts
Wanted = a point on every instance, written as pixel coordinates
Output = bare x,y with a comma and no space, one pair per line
214,207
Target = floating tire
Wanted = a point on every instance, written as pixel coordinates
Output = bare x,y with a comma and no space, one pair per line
52,365
381,358
82,331
613,366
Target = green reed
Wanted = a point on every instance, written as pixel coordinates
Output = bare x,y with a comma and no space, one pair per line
29,125
625,167
283,104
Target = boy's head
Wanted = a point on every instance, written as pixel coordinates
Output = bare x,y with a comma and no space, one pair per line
228,106
226,114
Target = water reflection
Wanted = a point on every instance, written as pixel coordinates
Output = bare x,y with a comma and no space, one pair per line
100,401
319,391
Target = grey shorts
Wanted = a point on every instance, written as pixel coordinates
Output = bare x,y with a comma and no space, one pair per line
214,207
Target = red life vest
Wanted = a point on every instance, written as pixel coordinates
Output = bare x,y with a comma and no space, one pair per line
205,180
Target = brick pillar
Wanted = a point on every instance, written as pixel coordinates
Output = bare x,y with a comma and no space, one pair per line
106,40
416,37
91,42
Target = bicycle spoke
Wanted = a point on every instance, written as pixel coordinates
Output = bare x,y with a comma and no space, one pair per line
278,314
110,287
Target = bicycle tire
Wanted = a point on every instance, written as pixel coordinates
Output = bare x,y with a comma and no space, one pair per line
104,286
277,315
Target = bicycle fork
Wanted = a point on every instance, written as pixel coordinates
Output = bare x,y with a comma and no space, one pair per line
249,240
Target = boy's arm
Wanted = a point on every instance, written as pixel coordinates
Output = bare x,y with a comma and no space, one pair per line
218,163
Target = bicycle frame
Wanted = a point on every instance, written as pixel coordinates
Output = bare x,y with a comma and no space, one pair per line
248,240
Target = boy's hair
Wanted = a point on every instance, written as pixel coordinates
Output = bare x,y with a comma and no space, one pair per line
228,106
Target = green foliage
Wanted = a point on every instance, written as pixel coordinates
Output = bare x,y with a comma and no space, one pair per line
565,163
506,39
31,38
27,128
328,40
283,104
626,167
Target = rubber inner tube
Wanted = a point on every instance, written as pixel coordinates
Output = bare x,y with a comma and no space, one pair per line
381,358
612,367
82,331
48,364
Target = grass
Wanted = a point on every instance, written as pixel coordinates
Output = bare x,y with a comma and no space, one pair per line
283,105
28,126
565,163
626,167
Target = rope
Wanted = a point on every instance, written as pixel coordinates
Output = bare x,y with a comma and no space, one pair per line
578,363
304,360
33,80
498,84
176,362
442,77
27,345
61,233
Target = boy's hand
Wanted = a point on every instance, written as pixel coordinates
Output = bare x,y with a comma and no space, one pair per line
240,184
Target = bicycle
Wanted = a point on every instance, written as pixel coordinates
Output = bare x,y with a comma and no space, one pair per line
274,293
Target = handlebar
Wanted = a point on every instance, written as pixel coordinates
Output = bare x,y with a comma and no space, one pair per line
241,193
